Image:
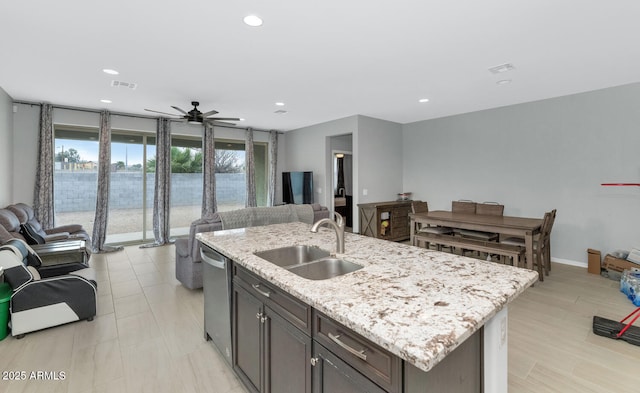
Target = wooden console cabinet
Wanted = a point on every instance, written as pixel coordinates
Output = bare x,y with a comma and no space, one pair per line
385,220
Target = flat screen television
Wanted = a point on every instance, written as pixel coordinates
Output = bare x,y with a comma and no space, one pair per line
297,187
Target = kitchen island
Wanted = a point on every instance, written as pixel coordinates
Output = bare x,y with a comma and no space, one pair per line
418,304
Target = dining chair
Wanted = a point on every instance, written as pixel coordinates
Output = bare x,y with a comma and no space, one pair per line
541,244
463,206
423,207
488,209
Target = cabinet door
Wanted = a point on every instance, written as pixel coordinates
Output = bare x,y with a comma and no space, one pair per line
288,355
332,375
247,337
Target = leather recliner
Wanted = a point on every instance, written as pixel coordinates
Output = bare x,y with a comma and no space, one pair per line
13,217
44,298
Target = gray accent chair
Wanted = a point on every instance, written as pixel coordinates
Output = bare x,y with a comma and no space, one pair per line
188,261
39,301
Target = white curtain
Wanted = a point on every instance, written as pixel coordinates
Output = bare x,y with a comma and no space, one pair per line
250,169
162,195
209,203
273,163
104,181
43,199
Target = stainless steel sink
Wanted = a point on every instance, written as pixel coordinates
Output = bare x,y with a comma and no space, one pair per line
309,262
293,255
324,268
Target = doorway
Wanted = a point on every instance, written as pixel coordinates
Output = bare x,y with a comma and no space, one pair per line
342,176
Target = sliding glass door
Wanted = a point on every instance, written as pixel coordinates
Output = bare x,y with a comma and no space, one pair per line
186,183
132,187
131,191
75,176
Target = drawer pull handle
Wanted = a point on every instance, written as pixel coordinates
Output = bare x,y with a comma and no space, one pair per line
336,339
260,291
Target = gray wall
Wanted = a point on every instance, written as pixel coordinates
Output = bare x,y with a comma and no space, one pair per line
377,158
26,122
309,149
539,156
6,148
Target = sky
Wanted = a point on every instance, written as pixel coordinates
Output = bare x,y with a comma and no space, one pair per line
88,151
130,154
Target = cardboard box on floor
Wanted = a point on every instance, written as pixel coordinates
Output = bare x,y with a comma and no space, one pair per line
612,263
594,261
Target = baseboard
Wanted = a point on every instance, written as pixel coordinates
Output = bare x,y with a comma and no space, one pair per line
569,262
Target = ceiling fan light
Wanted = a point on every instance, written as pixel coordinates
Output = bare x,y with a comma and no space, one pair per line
252,20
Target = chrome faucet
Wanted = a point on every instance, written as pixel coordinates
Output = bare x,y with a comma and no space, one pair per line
337,225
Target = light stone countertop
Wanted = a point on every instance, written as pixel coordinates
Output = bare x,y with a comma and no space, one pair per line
419,304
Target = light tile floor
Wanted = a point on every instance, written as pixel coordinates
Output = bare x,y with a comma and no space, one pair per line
148,336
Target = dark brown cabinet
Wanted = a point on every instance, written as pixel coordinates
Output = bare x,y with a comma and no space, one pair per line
332,375
247,332
271,354
372,362
385,220
272,346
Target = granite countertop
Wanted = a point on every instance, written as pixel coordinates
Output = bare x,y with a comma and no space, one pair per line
419,304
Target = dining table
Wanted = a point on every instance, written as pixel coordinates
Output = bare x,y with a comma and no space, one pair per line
523,227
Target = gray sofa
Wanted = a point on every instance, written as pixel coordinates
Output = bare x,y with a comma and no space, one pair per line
188,261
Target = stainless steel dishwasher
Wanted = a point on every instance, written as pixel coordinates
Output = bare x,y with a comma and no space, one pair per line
216,277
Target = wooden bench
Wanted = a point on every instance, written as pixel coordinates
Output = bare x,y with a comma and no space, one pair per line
507,250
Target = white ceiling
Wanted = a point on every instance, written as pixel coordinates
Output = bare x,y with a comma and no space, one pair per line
324,59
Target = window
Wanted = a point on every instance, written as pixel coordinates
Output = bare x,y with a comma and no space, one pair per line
186,183
75,177
132,184
132,188
231,190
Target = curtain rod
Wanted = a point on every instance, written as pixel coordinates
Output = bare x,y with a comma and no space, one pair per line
80,109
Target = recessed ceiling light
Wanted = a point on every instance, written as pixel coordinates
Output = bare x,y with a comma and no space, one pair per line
241,119
504,82
499,69
106,101
280,103
110,71
423,100
252,20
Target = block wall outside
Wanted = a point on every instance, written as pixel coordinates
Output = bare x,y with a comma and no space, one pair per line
76,191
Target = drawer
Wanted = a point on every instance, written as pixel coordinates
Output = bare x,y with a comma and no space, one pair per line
290,308
378,364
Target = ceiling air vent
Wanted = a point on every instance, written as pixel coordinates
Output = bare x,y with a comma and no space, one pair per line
499,69
280,112
128,85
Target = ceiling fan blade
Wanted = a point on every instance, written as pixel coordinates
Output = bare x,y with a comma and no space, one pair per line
214,121
212,112
179,110
164,113
223,118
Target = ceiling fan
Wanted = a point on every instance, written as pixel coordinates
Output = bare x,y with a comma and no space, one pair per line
194,116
